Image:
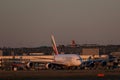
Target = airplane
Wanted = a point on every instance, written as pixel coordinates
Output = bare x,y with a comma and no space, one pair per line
59,61
63,61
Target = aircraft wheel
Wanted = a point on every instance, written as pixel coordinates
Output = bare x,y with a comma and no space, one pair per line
54,67
73,67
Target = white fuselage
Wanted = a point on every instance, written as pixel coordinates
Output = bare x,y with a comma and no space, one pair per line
67,59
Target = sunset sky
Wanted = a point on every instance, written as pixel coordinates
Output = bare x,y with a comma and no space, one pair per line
30,23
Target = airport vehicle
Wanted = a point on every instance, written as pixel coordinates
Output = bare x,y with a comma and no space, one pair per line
93,64
109,63
14,63
63,61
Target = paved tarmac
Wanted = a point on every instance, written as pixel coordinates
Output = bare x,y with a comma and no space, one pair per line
61,74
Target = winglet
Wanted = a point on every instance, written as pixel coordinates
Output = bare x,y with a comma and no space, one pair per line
54,45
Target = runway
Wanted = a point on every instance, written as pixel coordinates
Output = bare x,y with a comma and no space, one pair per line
61,74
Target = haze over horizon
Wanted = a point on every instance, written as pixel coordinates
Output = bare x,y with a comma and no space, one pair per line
30,23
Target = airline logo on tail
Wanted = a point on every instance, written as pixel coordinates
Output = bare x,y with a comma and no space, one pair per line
54,45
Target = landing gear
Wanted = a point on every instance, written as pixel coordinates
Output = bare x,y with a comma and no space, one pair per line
73,67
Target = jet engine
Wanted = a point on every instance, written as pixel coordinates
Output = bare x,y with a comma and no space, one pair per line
49,66
29,65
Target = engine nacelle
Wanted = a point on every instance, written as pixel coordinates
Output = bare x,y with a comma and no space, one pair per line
49,66
29,64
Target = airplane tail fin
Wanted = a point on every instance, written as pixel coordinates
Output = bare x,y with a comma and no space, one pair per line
54,45
73,44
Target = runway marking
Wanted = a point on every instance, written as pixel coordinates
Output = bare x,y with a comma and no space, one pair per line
100,75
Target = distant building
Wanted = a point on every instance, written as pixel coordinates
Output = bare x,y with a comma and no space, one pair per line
90,51
24,54
115,54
